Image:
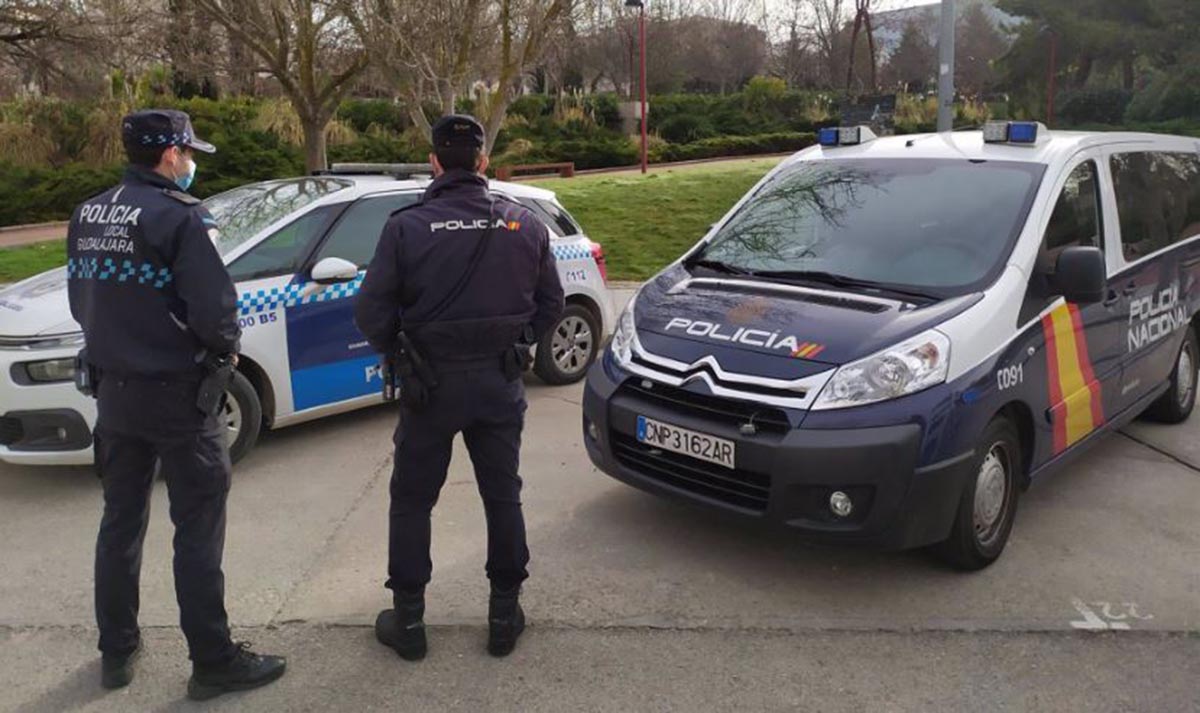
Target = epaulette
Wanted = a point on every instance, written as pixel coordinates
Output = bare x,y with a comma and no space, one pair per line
181,196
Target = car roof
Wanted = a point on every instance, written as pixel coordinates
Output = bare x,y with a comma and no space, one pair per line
366,185
1054,147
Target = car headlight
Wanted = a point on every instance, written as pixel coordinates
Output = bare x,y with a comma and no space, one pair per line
625,335
51,370
908,367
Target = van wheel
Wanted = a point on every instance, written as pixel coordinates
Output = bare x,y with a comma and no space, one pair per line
241,416
567,350
989,501
1176,404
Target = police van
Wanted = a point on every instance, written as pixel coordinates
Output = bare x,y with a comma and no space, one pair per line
297,250
888,339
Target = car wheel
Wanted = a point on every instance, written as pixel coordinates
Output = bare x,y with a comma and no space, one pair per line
1176,404
567,350
241,416
989,501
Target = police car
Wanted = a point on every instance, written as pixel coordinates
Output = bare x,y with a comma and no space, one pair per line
887,339
296,249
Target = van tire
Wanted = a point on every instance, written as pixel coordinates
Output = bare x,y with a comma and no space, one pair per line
1177,402
243,406
997,463
574,319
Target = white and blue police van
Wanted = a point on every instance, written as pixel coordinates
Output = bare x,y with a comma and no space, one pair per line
888,339
297,250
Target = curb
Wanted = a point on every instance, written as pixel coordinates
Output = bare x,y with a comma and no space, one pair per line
653,166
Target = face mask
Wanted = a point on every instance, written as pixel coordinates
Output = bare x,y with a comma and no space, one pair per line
185,181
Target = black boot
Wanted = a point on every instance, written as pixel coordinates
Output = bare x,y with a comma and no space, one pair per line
506,620
245,671
116,670
403,628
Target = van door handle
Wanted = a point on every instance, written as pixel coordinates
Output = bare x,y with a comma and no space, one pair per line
1114,296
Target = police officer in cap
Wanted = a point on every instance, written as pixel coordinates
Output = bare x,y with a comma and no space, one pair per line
470,281
158,311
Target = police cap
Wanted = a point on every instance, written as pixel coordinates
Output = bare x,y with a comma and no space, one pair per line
153,128
457,131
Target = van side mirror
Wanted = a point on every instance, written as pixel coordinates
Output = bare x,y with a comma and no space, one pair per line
1080,275
332,270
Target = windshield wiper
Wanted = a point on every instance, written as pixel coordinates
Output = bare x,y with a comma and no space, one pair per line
718,266
829,278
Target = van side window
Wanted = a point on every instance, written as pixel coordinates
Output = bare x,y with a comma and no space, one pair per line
1076,218
1075,222
1158,200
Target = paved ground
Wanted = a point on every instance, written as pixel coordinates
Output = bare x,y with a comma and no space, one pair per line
28,235
635,603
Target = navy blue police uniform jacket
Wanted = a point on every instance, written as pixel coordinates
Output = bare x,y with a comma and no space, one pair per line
424,250
145,280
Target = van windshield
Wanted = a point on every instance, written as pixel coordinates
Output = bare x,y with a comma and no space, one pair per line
243,212
939,227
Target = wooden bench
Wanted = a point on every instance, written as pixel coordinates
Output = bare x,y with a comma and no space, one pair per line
566,169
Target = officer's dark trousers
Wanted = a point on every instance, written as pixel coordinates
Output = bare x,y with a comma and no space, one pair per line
141,421
489,411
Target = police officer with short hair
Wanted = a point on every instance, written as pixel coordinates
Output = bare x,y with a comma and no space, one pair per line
158,311
461,285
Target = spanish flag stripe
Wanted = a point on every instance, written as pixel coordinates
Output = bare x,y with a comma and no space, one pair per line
1085,365
1059,423
1075,397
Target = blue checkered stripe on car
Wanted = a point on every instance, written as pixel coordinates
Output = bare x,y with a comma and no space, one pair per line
292,295
120,271
572,252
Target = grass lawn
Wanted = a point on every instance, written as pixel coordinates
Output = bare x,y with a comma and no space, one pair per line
26,261
645,222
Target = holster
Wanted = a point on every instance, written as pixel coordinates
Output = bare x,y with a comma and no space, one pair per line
215,384
418,380
518,359
87,376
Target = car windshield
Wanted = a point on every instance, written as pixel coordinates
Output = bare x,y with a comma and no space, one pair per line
939,227
243,212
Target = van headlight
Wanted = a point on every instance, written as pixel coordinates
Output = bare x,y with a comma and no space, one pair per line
624,336
908,367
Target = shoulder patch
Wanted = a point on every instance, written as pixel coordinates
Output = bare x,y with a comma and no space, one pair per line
185,198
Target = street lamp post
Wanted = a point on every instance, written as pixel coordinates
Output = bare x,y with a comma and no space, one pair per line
641,6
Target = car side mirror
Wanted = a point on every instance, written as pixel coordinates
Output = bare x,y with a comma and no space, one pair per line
1080,275
332,270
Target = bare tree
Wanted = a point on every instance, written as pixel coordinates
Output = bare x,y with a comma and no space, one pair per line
862,20
498,41
307,46
828,20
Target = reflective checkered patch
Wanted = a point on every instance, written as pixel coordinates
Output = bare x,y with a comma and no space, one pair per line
119,271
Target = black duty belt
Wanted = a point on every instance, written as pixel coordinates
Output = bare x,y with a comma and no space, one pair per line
455,366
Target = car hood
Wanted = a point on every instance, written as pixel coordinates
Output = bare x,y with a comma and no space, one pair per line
775,330
37,307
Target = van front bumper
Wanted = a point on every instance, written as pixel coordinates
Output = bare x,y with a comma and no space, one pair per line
785,476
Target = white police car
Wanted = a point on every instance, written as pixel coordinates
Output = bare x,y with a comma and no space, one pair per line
887,339
296,249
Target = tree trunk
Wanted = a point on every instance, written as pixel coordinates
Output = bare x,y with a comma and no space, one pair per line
314,143
1127,74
